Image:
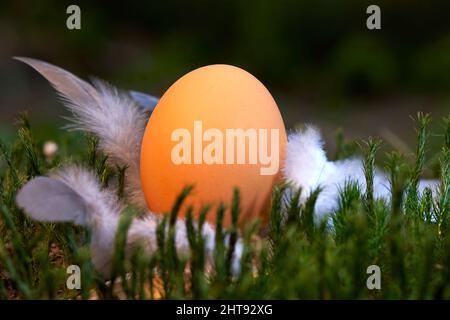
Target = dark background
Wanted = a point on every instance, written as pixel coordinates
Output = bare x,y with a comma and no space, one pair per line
318,59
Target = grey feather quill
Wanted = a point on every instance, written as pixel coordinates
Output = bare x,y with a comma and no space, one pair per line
68,85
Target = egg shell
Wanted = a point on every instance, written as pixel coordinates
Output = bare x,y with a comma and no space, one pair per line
222,97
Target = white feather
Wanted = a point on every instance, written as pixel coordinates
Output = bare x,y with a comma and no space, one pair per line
74,194
103,212
109,114
307,167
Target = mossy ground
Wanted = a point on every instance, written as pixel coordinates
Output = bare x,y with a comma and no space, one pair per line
294,258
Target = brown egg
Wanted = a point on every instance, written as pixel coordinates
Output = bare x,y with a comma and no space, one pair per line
215,128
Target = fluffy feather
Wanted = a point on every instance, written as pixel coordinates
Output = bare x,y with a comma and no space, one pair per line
106,112
307,167
73,194
100,208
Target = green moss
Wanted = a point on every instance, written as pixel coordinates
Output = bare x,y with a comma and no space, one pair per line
294,257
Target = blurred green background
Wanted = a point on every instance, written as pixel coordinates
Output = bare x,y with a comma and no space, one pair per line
321,63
